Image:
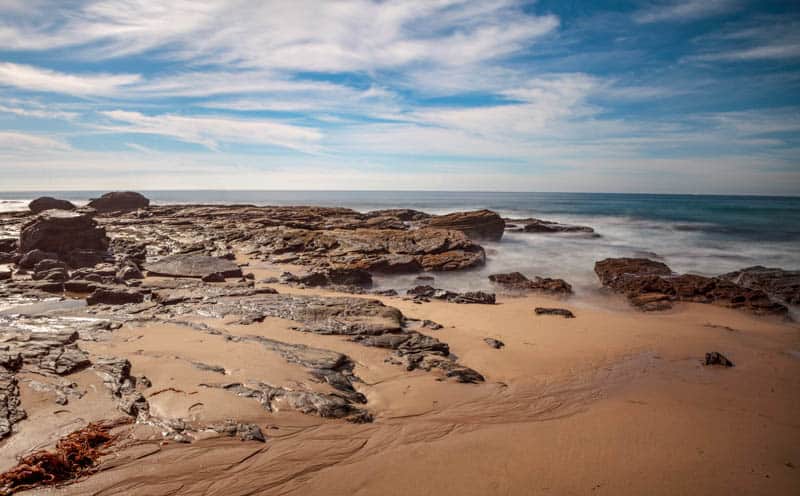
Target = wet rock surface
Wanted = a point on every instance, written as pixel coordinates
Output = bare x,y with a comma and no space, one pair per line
426,293
651,285
783,285
192,265
515,282
546,227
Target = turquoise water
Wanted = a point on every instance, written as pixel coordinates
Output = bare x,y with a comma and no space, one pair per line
692,233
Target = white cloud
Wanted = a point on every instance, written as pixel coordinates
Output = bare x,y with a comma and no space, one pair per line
686,10
30,78
211,131
24,142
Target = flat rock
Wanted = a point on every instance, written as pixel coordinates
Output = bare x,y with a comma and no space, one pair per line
562,312
517,282
190,265
477,225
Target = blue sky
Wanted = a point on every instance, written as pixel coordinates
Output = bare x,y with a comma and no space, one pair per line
684,96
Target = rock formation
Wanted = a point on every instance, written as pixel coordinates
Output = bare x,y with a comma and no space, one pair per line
477,225
49,203
119,201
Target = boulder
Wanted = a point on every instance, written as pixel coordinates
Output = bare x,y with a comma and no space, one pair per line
783,285
477,225
651,285
114,296
119,201
62,232
192,265
31,258
49,203
517,282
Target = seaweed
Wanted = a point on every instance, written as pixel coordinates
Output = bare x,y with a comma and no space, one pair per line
75,456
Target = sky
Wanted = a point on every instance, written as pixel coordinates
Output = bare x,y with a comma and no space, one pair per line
654,96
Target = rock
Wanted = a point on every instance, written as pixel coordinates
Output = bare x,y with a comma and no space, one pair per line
477,225
86,258
716,358
783,285
209,368
8,244
119,201
49,203
651,285
245,432
190,265
62,232
546,226
425,292
494,343
129,272
116,375
5,274
332,277
402,214
31,258
563,312
516,282
11,410
213,277
54,352
114,296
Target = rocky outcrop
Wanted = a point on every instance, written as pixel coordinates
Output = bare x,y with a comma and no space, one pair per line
783,285
62,233
516,282
116,375
119,201
651,285
191,265
545,226
477,225
716,358
332,277
426,293
54,352
49,203
11,410
114,296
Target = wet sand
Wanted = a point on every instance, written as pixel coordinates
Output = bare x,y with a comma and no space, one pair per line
614,401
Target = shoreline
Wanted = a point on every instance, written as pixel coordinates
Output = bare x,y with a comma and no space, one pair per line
357,392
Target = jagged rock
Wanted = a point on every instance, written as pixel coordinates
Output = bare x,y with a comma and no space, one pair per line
49,203
425,292
119,201
517,282
494,343
546,226
245,432
116,375
129,272
402,214
332,277
480,224
563,312
62,232
716,358
11,410
114,296
8,244
189,265
54,352
783,285
651,285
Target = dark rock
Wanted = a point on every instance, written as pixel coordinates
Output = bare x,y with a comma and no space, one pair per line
716,358
51,352
62,232
11,410
119,201
494,343
8,244
213,277
563,312
129,272
245,432
31,258
546,226
48,203
116,375
332,277
651,285
86,258
425,292
402,214
114,296
516,282
189,265
783,285
5,275
480,224
209,368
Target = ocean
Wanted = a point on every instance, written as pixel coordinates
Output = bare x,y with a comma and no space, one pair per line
699,234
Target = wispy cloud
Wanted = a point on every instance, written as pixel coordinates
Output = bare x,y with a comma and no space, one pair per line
685,10
30,78
212,131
